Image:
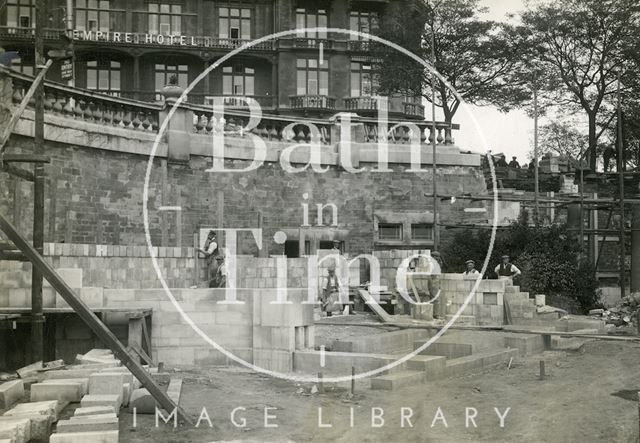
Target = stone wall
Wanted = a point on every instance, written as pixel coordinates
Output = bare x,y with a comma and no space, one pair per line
95,196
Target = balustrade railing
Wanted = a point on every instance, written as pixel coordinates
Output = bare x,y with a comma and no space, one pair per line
89,106
103,109
312,102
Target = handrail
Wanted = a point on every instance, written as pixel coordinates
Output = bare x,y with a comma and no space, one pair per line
89,318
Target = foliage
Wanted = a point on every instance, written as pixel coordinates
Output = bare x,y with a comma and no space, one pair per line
473,55
582,46
549,258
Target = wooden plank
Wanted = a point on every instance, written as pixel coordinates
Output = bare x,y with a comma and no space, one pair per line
15,117
375,307
134,338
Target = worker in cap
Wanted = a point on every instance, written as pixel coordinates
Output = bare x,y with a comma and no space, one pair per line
330,292
471,272
210,252
506,269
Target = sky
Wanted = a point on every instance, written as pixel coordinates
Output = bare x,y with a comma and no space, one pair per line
510,133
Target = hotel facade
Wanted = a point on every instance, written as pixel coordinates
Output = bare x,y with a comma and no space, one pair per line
132,49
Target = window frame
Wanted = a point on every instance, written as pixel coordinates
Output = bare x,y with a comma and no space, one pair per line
320,71
174,14
311,18
108,69
243,20
167,70
428,226
82,15
397,226
370,18
359,74
15,10
246,75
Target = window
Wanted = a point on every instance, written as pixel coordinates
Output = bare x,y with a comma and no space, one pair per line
22,66
92,15
234,23
421,231
164,73
21,13
165,19
312,77
311,18
237,80
363,81
389,231
363,22
104,76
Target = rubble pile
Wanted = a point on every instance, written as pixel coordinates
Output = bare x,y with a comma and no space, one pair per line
621,315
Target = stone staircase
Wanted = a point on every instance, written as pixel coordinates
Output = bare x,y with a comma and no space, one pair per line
456,353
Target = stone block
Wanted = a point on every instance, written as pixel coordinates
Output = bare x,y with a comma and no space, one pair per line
62,391
126,394
142,401
92,297
48,408
71,276
106,384
40,424
10,393
87,424
93,410
17,430
83,382
85,437
115,401
94,416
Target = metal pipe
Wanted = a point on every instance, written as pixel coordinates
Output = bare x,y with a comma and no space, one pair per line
621,189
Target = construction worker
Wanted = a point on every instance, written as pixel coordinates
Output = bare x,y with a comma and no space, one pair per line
210,252
471,273
514,163
506,269
331,292
220,278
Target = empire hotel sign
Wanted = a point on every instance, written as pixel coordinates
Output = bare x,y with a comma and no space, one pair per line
138,38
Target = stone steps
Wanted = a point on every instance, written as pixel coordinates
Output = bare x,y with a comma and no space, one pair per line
389,342
444,348
463,365
340,363
394,381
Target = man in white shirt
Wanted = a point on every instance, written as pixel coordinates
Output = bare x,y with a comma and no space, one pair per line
471,273
507,269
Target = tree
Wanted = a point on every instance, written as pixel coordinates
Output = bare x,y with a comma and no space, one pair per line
585,44
562,138
473,55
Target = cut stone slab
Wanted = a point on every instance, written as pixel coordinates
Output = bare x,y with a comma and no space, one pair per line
83,382
394,381
86,425
83,360
10,393
142,401
106,384
175,390
94,417
162,378
50,408
30,370
85,437
40,424
115,401
18,430
93,410
63,391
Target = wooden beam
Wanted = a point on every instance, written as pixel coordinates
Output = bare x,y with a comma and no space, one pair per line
90,319
21,173
15,117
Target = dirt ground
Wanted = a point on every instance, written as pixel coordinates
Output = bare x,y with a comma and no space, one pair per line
588,396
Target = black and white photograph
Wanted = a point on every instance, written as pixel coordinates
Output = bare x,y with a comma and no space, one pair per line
292,221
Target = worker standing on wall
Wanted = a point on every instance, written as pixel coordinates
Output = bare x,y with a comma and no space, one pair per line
210,252
471,273
506,269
